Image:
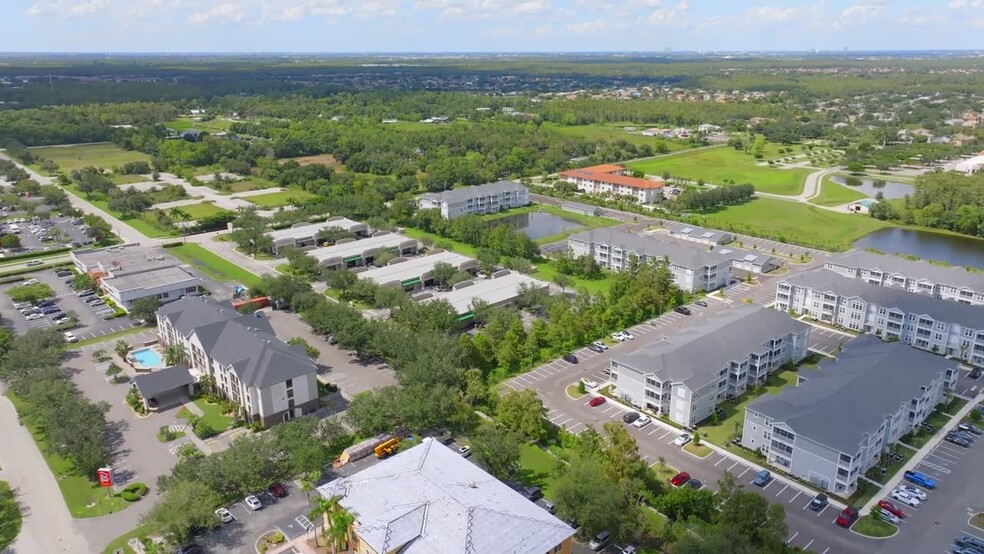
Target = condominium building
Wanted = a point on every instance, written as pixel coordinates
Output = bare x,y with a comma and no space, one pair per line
479,199
946,282
946,328
269,379
615,180
694,268
689,373
838,421
429,500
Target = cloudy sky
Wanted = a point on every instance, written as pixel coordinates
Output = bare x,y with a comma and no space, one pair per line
486,25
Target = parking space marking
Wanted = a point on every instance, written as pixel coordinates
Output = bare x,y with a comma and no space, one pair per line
807,546
798,493
655,429
767,485
733,466
971,534
781,490
665,434
793,537
823,510
719,461
744,472
575,426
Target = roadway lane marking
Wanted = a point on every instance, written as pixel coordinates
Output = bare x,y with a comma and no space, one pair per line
793,537
780,491
798,493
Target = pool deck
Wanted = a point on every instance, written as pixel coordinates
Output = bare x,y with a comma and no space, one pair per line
140,365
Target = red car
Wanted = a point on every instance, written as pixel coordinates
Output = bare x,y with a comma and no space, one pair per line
888,505
278,490
680,479
847,517
596,401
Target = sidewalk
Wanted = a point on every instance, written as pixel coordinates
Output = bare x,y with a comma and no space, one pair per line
926,449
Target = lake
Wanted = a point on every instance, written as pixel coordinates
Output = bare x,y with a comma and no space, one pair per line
951,249
537,225
891,190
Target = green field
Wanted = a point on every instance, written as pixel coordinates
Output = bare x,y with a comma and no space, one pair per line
121,179
202,210
613,133
186,123
97,155
537,467
252,183
714,165
143,225
793,222
833,194
277,199
213,265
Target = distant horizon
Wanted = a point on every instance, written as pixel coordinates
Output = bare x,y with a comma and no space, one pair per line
381,53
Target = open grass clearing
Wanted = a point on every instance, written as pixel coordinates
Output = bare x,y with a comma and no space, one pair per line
715,165
538,468
202,210
886,469
323,159
212,264
144,224
119,544
615,132
956,404
123,179
282,198
105,156
730,423
833,194
210,126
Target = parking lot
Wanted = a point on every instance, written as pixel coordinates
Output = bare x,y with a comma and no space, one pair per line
39,233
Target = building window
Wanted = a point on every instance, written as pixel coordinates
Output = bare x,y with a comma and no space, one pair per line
289,383
290,393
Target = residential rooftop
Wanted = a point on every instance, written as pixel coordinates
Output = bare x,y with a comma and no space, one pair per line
696,355
357,248
703,234
611,174
503,287
151,279
849,397
429,500
913,269
825,280
414,268
680,253
462,194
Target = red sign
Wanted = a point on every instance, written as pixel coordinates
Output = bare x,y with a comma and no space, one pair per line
105,475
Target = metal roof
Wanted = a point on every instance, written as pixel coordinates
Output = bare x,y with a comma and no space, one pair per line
358,247
163,277
493,291
165,380
681,253
413,267
311,230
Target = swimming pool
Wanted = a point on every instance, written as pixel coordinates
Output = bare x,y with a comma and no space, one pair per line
147,357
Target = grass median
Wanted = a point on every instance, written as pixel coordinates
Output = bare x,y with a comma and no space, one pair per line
874,526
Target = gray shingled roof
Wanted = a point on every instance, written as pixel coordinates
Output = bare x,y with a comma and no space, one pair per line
850,396
913,269
188,313
696,355
702,233
683,254
429,500
825,280
164,380
464,193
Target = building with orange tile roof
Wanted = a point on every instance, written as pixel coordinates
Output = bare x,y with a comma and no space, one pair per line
609,179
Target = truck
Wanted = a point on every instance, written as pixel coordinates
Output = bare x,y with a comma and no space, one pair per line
361,450
388,448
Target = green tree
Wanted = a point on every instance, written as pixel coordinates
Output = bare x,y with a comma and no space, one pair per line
10,516
523,412
497,450
341,522
10,241
681,503
84,281
563,281
488,259
145,309
750,514
122,348
173,354
249,232
442,273
584,493
186,506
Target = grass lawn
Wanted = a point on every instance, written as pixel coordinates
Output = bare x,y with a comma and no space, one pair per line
119,543
545,271
212,264
954,406
459,247
83,497
734,412
863,493
978,520
324,159
793,222
202,210
717,164
891,468
537,467
211,413
96,155
211,126
251,183
110,336
277,199
833,194
874,526
596,131
121,179
575,391
665,473
699,450
918,438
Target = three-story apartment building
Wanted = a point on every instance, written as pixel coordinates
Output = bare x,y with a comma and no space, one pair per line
946,328
839,420
685,376
946,282
479,199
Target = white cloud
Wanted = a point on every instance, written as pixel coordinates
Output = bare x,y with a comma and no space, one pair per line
670,16
772,14
961,4
484,9
915,16
66,8
861,12
221,13
588,27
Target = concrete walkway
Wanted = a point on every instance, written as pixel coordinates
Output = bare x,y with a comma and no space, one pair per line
48,525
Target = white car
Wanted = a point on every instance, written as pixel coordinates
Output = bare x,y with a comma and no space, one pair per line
641,422
465,451
29,282
904,498
70,337
888,516
912,491
600,345
588,383
619,336
683,439
34,316
628,335
253,503
225,515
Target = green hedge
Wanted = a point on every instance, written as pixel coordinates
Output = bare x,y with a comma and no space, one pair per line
134,492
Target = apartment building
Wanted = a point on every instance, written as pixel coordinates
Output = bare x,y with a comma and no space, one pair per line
694,268
689,373
946,282
838,421
946,328
615,180
428,500
271,380
480,199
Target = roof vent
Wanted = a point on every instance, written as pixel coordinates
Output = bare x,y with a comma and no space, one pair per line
473,485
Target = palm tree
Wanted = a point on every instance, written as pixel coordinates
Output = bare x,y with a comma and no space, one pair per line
324,508
174,353
338,532
122,348
308,482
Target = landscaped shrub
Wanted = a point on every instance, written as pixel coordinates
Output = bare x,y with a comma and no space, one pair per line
134,401
165,434
134,492
202,429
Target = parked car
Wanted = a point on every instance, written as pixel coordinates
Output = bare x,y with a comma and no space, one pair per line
965,435
19,305
969,541
70,336
914,492
847,517
975,373
762,478
642,421
33,263
63,273
819,502
682,439
957,440
619,336
921,479
630,417
904,498
46,303
968,428
589,383
533,494
701,303
594,347
601,540
888,505
600,345
629,549
62,320
34,316
695,484
85,293
253,503
682,310
225,515
888,516
597,401
570,358
628,335
465,451
50,310
278,490
97,302
679,478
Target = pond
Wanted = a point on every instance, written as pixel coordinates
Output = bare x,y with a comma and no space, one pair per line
891,190
537,225
954,250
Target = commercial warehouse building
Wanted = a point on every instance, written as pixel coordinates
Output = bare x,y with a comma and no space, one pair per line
946,282
306,235
356,253
838,421
479,199
415,273
946,328
129,272
689,373
501,289
694,268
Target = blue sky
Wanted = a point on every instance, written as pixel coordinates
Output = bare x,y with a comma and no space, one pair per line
486,25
